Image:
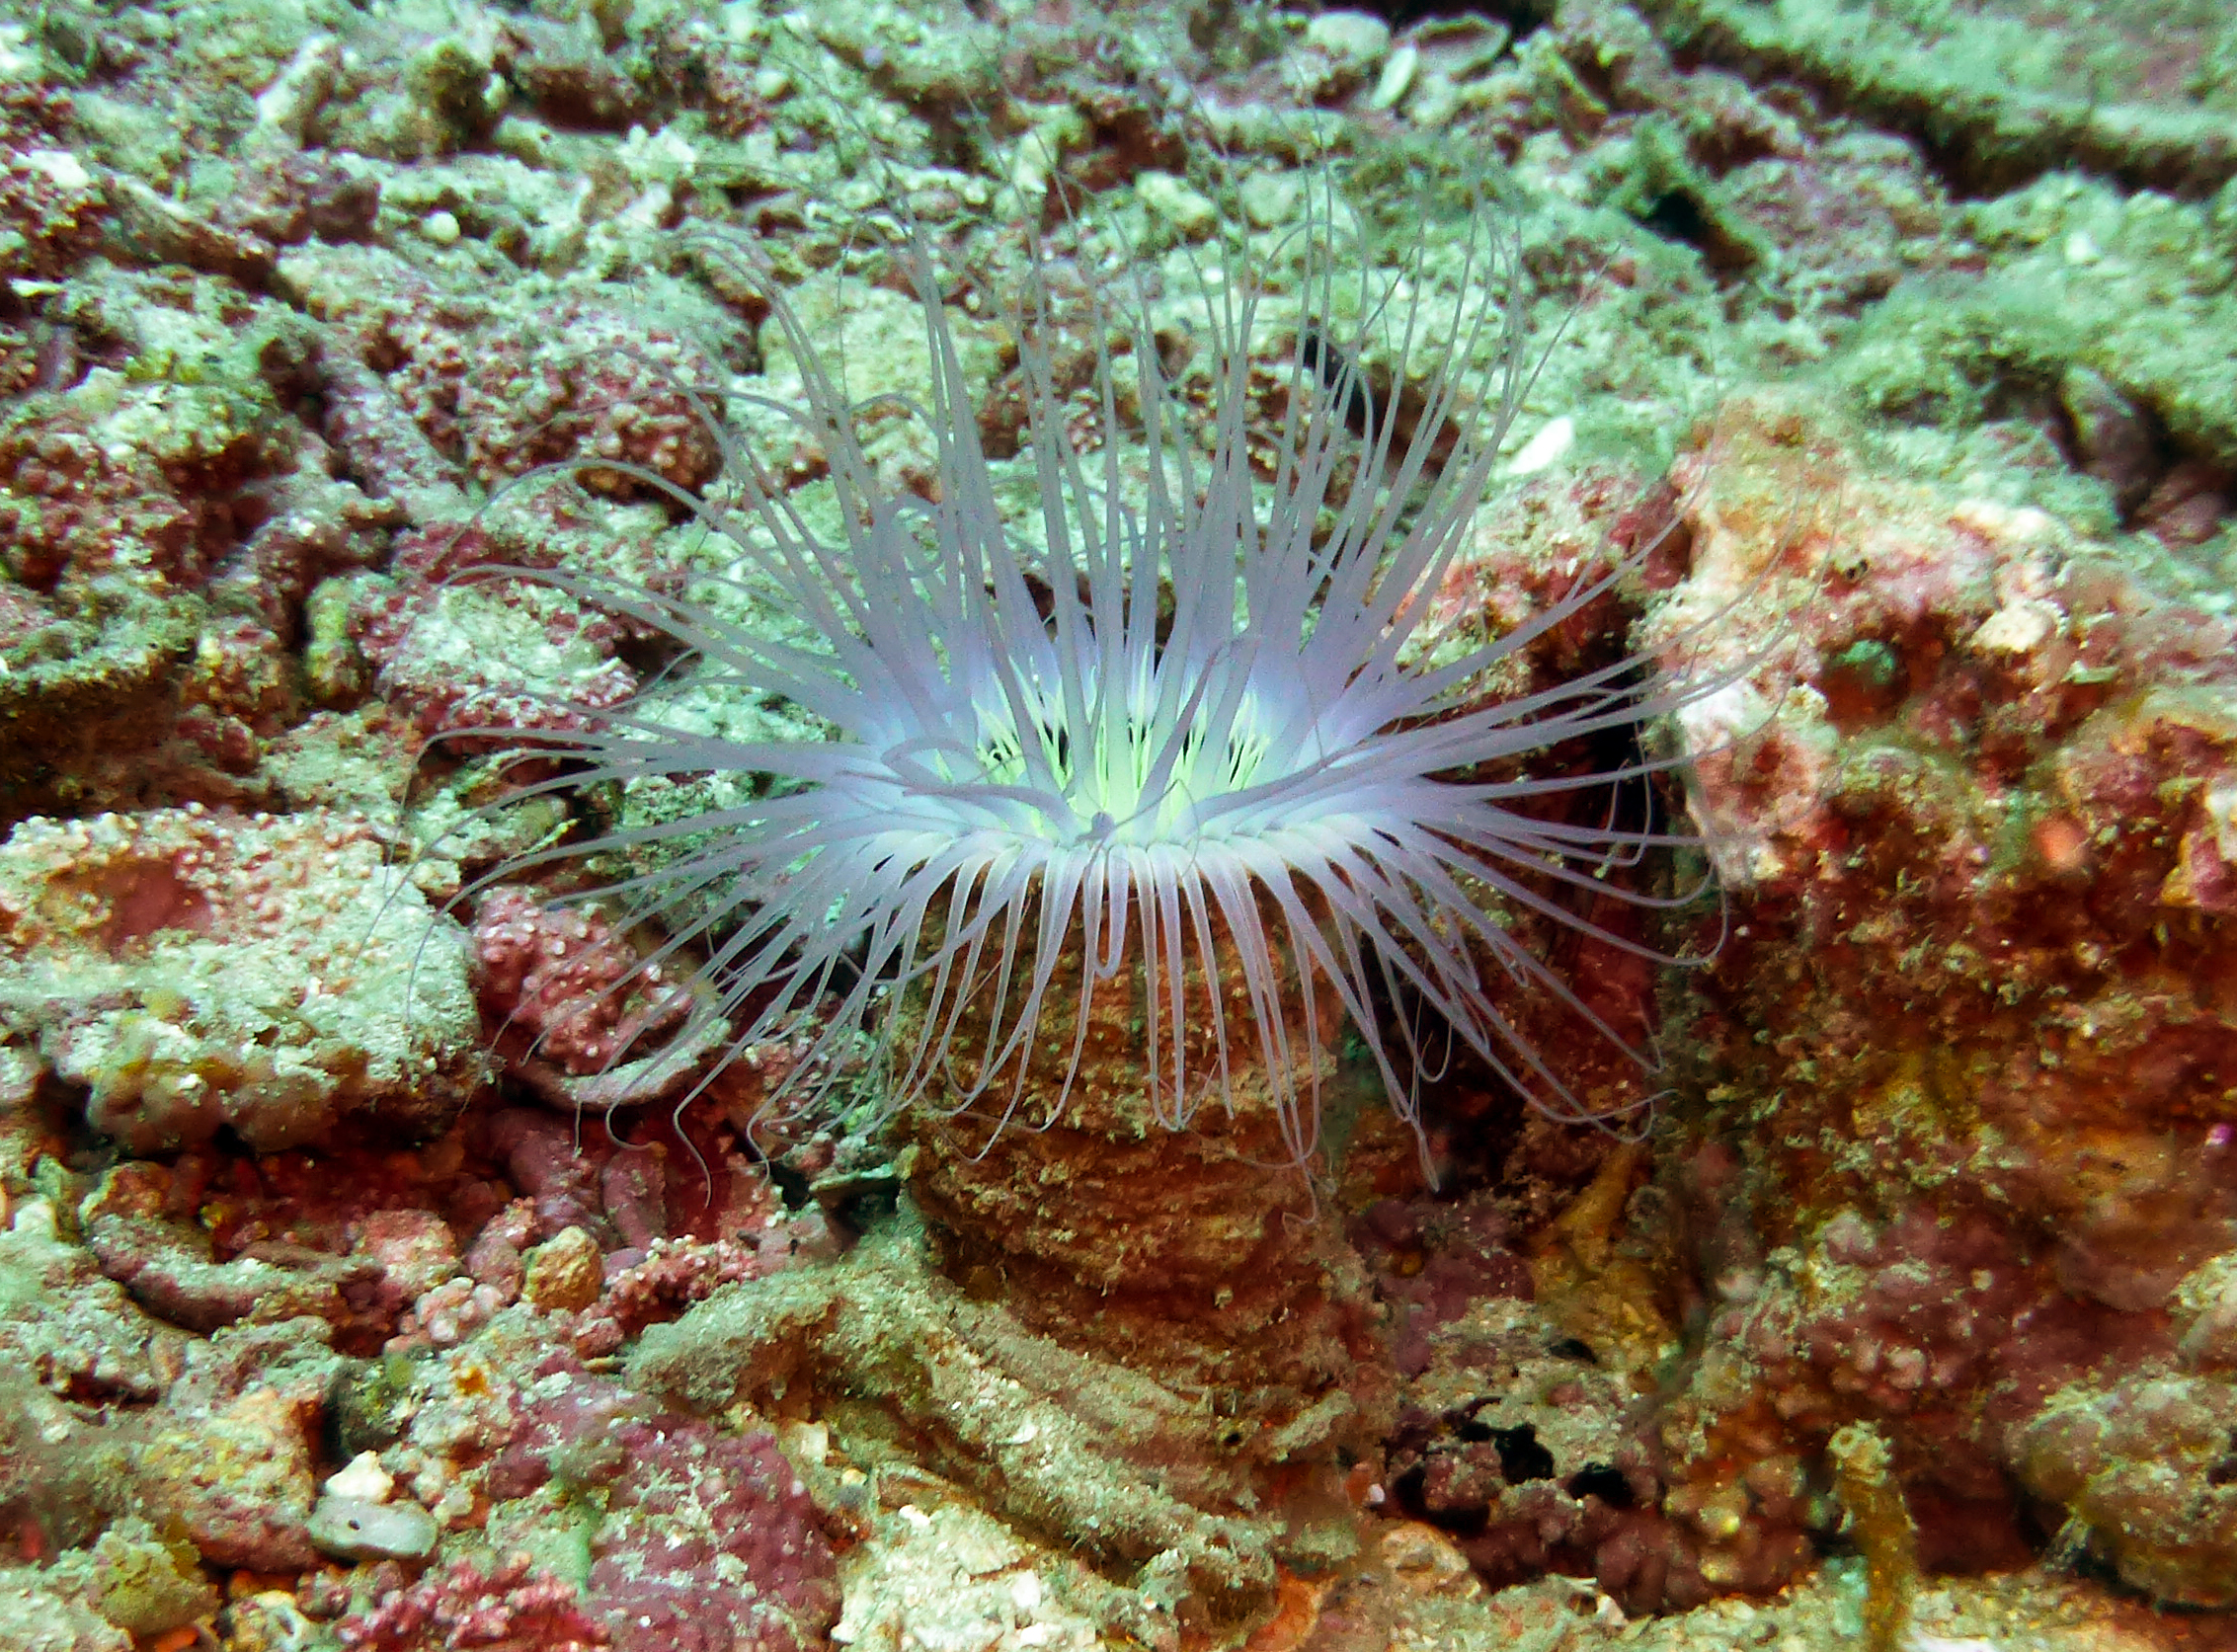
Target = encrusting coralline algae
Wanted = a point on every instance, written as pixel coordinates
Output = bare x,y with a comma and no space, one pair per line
1900,352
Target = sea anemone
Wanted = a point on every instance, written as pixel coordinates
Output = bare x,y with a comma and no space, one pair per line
1184,725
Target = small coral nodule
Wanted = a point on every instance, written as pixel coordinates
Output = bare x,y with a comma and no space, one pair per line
1180,736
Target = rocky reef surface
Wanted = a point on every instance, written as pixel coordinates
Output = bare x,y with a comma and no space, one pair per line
364,1284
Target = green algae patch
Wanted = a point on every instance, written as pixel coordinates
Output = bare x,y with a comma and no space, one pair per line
2134,290
1997,97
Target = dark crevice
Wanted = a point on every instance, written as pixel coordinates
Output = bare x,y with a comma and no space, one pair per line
1521,1457
1524,17
1598,1480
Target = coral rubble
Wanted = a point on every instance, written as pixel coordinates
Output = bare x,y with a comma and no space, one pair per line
374,1277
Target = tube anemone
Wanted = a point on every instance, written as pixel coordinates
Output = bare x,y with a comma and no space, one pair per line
1180,735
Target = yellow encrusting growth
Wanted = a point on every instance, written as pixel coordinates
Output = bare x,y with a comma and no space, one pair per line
1863,1470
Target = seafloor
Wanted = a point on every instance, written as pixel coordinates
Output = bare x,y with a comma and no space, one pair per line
1885,356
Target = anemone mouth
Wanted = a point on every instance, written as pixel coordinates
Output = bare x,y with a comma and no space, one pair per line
1135,776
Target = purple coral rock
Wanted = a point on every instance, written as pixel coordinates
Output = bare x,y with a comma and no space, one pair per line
51,205
511,1610
541,1157
709,1541
579,383
415,1251
711,1547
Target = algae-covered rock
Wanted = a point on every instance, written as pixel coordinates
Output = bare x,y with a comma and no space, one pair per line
237,1482
36,1619
563,1271
1965,1050
63,1474
198,971
137,1582
1995,91
161,516
2132,289
943,1573
66,1324
1088,1451
2147,1467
